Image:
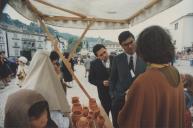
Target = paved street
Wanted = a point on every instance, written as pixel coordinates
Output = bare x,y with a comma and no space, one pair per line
74,91
183,66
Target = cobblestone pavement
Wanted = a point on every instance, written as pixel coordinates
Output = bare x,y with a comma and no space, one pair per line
183,66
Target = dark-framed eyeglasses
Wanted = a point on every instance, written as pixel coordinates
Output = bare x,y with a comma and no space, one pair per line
128,43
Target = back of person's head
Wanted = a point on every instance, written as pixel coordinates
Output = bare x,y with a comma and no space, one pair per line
154,45
54,56
66,54
21,106
97,47
123,36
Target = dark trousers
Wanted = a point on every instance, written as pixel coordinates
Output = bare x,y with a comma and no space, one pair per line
106,103
117,105
105,100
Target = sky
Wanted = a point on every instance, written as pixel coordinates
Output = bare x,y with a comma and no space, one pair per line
163,19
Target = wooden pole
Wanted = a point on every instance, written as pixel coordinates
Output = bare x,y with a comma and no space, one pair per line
142,10
55,44
65,61
62,9
88,19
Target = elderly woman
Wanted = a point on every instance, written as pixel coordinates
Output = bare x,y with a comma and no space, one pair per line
156,97
27,109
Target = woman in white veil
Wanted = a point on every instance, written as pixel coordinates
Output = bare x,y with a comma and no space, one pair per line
43,78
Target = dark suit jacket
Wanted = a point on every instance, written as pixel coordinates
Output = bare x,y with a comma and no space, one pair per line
97,74
65,73
120,78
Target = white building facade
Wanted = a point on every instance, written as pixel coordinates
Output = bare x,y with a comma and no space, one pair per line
112,46
16,43
3,41
181,31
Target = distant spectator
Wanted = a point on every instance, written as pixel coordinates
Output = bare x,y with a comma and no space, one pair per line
188,92
22,70
5,71
87,65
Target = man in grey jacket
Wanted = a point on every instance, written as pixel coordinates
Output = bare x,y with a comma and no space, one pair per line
125,68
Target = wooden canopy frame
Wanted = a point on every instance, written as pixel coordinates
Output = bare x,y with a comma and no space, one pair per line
82,17
78,17
55,43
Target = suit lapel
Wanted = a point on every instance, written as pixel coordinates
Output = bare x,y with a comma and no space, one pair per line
140,66
103,68
125,63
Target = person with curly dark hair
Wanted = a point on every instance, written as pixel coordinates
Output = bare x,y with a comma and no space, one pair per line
156,97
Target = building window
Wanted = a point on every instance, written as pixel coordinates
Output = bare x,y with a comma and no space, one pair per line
15,35
24,45
1,39
175,26
2,47
174,42
17,52
15,44
40,46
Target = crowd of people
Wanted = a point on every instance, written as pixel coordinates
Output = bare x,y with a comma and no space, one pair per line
8,70
139,87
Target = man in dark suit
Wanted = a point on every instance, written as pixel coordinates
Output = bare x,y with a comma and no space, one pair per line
125,68
99,75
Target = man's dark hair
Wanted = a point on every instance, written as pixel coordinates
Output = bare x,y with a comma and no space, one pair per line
54,56
97,47
66,54
154,45
124,36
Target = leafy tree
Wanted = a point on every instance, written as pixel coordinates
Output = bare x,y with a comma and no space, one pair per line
18,23
71,43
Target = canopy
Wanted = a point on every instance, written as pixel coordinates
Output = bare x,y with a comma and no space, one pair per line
106,14
88,14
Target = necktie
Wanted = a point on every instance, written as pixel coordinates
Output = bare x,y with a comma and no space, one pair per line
131,65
